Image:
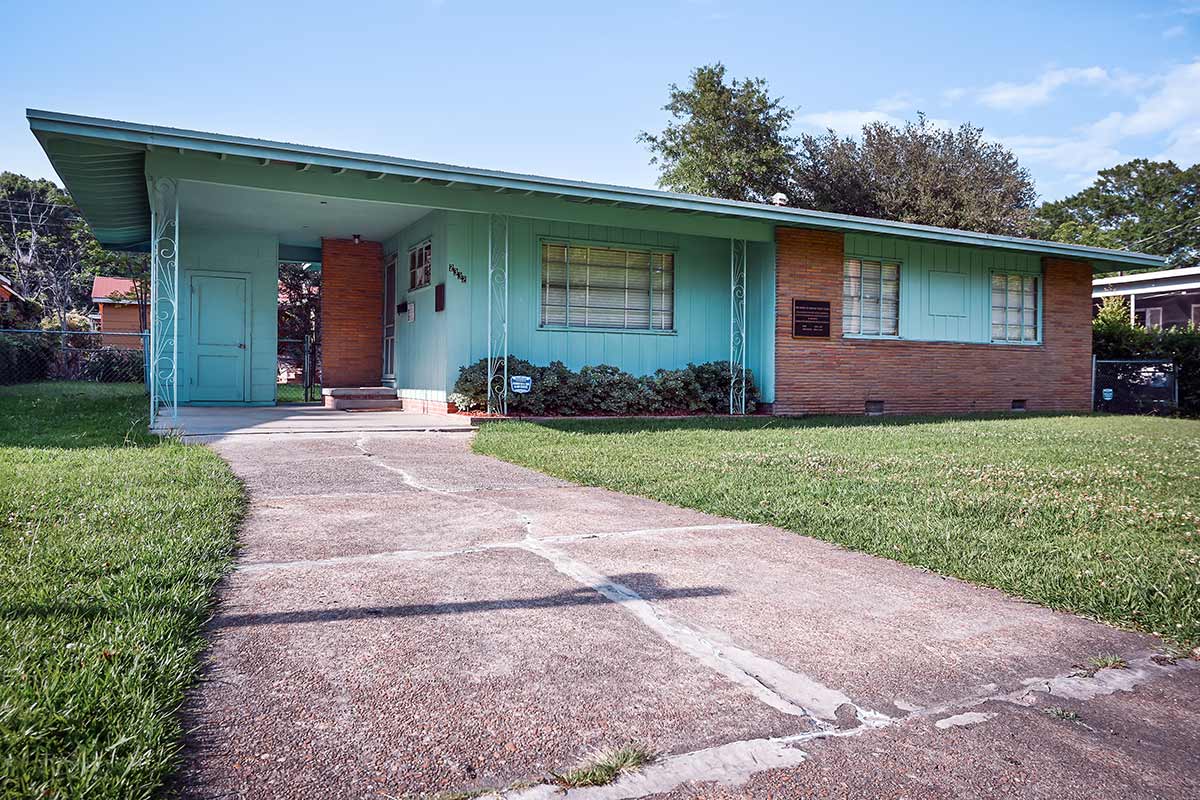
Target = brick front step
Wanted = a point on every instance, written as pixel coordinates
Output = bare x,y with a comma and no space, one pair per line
382,397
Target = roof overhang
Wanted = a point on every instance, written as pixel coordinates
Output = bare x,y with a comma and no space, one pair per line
1158,282
102,164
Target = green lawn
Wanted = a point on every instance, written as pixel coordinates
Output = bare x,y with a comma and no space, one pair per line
1099,515
110,543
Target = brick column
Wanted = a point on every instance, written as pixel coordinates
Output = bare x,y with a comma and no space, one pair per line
351,313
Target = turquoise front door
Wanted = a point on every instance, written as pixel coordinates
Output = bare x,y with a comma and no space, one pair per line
218,338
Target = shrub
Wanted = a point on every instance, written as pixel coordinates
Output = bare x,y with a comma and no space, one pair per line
25,357
606,390
114,365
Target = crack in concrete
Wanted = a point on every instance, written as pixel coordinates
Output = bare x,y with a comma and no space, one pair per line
788,691
421,555
783,689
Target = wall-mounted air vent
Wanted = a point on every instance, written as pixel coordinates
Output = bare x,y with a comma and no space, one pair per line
874,408
1018,405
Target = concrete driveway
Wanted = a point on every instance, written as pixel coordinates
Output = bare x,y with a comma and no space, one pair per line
408,618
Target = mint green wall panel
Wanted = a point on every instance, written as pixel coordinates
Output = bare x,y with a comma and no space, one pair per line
760,314
701,301
945,290
254,257
422,365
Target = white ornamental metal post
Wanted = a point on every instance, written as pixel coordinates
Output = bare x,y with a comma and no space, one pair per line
497,315
737,326
164,296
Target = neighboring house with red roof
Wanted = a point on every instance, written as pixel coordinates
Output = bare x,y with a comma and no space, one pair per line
118,312
16,311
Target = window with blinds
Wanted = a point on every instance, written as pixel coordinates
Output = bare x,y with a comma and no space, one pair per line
1014,308
871,298
607,287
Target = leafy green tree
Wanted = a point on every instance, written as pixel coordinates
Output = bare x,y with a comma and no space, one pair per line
920,173
34,216
725,139
1143,205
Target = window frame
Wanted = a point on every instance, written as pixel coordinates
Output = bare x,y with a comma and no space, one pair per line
1195,315
846,259
1038,290
1159,311
427,245
569,242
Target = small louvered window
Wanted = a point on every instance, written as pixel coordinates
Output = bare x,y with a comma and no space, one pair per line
584,286
871,298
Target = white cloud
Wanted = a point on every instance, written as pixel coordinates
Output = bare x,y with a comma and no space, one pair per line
1018,96
847,121
1163,124
1174,32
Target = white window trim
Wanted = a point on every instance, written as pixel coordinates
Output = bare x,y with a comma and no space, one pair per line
1195,317
899,310
1037,340
1155,311
631,248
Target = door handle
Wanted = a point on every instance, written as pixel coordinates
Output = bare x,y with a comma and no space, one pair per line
241,345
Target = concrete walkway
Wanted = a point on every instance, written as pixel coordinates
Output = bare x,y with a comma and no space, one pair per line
205,422
409,618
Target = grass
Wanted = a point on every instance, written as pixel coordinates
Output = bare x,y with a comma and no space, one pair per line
1058,712
110,544
1106,661
1098,515
294,393
605,767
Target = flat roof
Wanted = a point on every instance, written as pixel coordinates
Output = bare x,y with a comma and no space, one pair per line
104,182
1164,280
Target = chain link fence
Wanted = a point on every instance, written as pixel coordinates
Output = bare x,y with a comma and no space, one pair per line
1135,386
298,377
28,356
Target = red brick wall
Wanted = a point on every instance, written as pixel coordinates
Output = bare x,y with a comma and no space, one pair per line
351,313
838,376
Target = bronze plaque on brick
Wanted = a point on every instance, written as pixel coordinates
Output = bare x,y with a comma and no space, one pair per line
810,319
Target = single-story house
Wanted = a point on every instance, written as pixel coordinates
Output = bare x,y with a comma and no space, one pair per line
1165,298
428,267
118,312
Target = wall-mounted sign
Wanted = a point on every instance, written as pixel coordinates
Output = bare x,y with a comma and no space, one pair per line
520,384
810,319
1107,394
412,311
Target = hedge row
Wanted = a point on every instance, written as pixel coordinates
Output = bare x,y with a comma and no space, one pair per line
1114,336
606,390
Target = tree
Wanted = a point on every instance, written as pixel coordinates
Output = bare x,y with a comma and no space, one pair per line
35,215
1143,205
725,139
919,173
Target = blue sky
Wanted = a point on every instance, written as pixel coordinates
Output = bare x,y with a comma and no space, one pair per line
563,88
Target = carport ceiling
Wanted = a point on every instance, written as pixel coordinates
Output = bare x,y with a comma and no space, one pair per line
297,219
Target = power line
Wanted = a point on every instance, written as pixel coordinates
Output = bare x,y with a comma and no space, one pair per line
1165,231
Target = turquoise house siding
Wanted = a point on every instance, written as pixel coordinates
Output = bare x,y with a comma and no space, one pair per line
702,301
945,290
422,366
254,257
